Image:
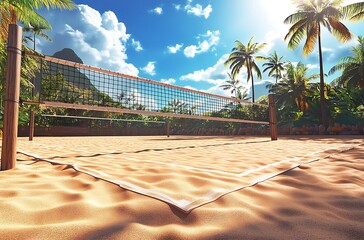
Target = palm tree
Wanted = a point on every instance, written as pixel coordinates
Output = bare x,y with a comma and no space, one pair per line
177,106
242,94
275,65
37,29
244,56
352,67
24,11
293,88
307,22
233,85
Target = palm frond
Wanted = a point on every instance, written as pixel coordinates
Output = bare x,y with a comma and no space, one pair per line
311,39
295,17
340,31
255,67
296,38
353,12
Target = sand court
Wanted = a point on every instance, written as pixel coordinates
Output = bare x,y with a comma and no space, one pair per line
185,172
322,199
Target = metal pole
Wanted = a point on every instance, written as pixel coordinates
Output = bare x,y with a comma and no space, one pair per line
11,110
272,118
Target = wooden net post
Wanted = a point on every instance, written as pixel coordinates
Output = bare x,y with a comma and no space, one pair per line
167,126
11,110
272,117
31,125
32,113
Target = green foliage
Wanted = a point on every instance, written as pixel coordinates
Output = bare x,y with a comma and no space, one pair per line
291,92
352,67
346,105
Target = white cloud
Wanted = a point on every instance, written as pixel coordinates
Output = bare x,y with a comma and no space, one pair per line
312,66
168,81
149,68
177,6
270,38
211,39
329,53
190,51
189,87
198,10
216,89
216,75
136,44
211,74
137,97
157,10
263,82
98,39
174,49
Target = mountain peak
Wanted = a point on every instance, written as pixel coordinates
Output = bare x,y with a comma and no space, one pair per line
69,55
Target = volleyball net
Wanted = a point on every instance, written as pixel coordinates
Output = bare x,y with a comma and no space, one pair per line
70,85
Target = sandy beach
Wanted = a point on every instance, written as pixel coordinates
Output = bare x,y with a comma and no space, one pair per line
185,187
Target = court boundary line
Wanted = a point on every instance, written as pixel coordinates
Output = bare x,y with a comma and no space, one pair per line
225,173
185,205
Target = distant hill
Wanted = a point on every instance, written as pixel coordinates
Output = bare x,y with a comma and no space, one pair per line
261,89
73,74
69,55
77,87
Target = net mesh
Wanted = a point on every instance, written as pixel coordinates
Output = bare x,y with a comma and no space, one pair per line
74,83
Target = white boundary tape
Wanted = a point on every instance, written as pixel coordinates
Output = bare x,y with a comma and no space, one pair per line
185,205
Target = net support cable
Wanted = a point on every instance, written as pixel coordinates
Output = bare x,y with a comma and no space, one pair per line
99,118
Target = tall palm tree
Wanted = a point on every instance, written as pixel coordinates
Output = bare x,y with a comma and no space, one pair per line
245,56
352,67
275,65
37,29
24,11
307,22
293,88
233,85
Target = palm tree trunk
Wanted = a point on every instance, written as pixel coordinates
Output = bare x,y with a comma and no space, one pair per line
34,42
250,73
31,115
253,88
324,117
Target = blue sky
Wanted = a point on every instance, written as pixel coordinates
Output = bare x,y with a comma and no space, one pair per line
180,42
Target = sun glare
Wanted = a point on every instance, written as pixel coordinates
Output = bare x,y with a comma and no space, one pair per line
274,13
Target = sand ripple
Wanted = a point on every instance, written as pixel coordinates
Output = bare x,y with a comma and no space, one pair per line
319,200
180,172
